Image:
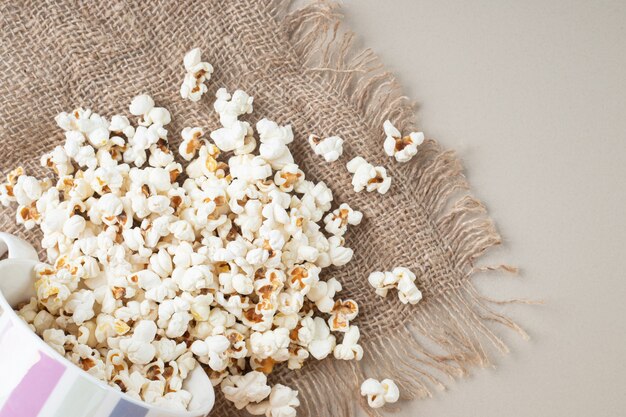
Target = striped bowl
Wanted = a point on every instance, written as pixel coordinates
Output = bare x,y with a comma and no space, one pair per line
37,381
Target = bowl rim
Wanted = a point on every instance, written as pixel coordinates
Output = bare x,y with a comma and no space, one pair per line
7,309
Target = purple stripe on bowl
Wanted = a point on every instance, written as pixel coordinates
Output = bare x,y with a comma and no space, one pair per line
28,397
126,409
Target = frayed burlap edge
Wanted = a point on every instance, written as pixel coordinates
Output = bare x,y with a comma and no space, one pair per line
448,334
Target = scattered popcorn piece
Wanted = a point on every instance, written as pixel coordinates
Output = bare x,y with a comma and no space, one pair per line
402,279
198,72
380,393
368,177
330,148
401,148
407,290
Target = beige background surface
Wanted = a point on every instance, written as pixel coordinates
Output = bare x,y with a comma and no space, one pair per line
532,94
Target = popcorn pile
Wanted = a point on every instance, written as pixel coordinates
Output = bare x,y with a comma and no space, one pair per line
149,276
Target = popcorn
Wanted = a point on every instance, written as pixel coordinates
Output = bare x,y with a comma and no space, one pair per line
407,290
321,342
401,148
323,294
368,177
141,105
349,349
337,222
211,351
149,275
281,403
138,348
380,393
330,148
382,282
271,343
191,142
402,279
27,190
241,390
341,314
274,140
231,107
198,72
232,137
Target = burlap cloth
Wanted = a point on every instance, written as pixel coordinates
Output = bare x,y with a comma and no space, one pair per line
302,68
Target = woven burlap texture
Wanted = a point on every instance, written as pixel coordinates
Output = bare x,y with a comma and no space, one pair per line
302,68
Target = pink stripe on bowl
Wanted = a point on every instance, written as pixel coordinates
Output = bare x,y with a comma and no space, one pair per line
29,396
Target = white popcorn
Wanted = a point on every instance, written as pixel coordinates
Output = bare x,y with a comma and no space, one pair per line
174,317
349,349
271,343
231,107
281,403
231,137
197,73
337,222
241,390
330,148
158,115
341,314
74,226
382,282
368,177
407,290
248,168
212,349
80,304
150,274
288,177
138,347
402,279
27,190
401,148
321,342
339,254
55,338
191,142
323,294
380,393
141,105
274,140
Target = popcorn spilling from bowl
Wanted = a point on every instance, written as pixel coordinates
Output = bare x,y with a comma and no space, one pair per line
148,276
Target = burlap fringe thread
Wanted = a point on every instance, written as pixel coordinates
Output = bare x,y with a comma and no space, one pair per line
448,334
